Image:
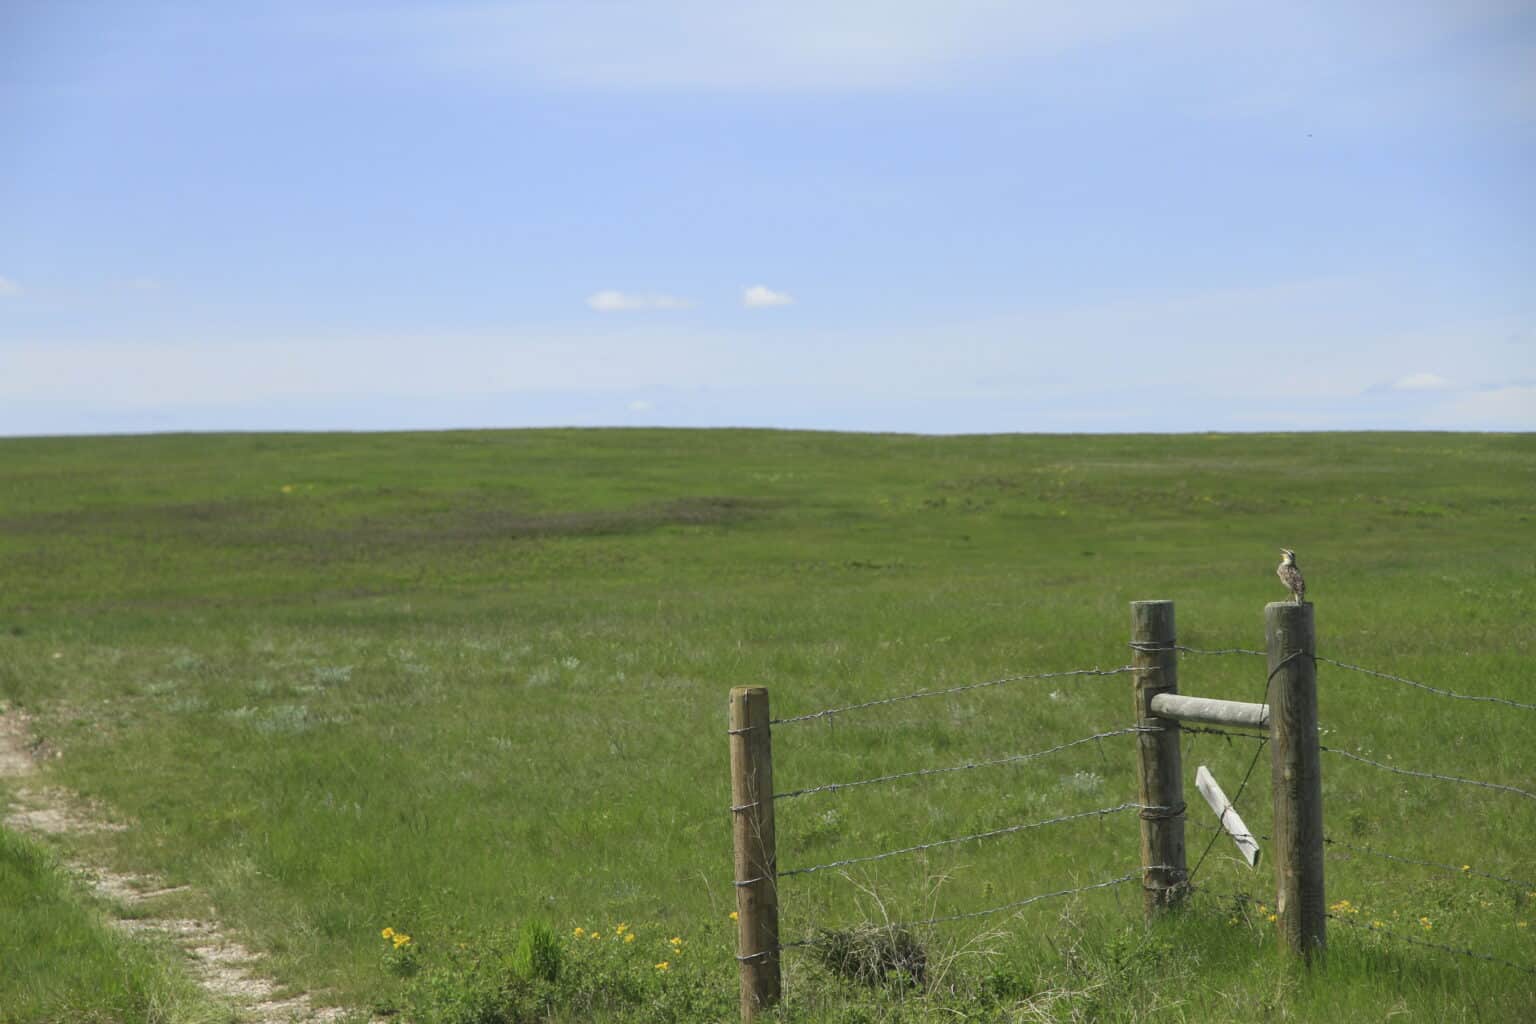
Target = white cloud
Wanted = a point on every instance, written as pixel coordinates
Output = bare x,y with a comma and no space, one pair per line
1500,408
8,287
793,45
640,405
1421,382
610,301
761,296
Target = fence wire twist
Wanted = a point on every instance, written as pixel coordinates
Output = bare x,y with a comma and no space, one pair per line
1013,759
1205,730
1429,775
1100,812
828,712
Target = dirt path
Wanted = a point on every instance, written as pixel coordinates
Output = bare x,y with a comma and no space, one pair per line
221,965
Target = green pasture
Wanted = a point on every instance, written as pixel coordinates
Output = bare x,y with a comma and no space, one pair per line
468,685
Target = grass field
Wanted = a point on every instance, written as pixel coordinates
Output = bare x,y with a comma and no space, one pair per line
467,685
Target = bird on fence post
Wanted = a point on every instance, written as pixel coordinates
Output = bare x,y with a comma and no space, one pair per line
1290,574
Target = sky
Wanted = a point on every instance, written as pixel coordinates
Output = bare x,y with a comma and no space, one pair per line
941,217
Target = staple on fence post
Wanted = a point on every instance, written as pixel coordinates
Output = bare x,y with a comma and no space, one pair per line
756,864
1300,909
1159,770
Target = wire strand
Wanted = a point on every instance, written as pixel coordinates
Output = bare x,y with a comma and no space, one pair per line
1429,775
1098,813
1465,869
1017,904
828,712
1425,686
1400,937
1203,730
1152,647
1014,759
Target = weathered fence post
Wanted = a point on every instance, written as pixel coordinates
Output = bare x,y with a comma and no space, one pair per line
1291,641
757,891
1159,771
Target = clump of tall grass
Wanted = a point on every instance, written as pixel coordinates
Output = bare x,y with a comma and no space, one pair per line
874,955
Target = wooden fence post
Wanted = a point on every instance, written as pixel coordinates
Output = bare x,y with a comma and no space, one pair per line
757,890
1159,768
1300,909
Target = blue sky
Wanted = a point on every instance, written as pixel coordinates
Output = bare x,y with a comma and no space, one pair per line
963,216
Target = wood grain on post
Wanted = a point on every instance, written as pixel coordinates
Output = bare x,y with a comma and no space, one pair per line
1300,909
757,891
1159,768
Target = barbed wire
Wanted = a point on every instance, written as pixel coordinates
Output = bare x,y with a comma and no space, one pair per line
1429,775
1017,904
1205,730
1425,686
1097,813
1151,647
1377,929
1013,759
1383,930
828,712
1137,645
1465,869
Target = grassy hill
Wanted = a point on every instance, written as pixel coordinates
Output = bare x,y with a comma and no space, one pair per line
458,683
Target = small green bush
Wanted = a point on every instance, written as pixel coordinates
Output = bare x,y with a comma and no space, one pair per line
533,974
539,954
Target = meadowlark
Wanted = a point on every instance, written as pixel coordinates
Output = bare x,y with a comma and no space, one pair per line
1290,574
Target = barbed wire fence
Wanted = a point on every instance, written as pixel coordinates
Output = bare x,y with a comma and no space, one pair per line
1344,913
758,874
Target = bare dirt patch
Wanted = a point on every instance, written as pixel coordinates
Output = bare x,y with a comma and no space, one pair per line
220,964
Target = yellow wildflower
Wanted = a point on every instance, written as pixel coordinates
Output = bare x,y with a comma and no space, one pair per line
579,932
735,915
1272,917
287,488
388,933
1425,922
401,939
1466,867
1522,924
664,966
1377,924
630,937
620,928
594,935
